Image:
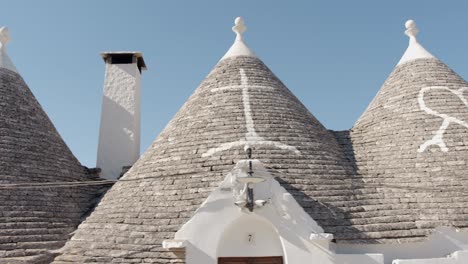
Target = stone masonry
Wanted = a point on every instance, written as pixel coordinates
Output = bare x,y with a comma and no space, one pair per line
406,193
34,221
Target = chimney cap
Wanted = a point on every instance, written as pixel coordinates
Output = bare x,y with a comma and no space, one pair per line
138,55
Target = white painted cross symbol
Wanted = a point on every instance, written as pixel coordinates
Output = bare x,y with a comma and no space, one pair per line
251,137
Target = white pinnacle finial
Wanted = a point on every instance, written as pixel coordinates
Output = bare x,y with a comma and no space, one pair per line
411,30
239,48
4,36
5,61
239,27
414,50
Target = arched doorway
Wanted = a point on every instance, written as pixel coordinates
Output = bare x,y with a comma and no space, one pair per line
250,240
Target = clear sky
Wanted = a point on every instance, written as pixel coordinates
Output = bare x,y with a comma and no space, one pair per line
333,55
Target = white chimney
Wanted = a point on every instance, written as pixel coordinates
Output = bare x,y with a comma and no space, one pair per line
119,134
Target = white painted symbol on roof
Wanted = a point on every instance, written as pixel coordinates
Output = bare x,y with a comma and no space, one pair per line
251,137
438,137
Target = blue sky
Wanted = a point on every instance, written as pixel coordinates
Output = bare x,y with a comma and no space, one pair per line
334,55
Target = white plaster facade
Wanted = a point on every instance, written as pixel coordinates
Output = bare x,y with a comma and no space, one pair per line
458,257
119,135
446,245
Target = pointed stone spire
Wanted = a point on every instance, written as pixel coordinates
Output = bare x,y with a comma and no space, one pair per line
238,48
414,50
5,61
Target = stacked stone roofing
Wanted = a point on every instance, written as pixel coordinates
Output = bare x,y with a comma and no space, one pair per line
373,184
34,221
177,173
396,175
410,150
410,185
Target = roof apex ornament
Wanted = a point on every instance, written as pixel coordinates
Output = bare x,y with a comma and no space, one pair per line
239,28
4,36
414,50
411,30
5,61
239,48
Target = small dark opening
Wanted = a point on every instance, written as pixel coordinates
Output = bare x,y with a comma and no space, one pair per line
126,58
122,59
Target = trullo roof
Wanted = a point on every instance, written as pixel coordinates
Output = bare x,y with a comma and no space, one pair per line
34,219
241,102
411,149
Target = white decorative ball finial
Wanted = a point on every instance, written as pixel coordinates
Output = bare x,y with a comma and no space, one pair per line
414,50
238,48
5,61
4,36
239,27
411,29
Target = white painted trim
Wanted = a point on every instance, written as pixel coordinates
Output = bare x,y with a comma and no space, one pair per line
321,236
443,242
174,245
458,257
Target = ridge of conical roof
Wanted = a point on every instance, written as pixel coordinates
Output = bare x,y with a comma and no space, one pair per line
411,142
240,103
33,153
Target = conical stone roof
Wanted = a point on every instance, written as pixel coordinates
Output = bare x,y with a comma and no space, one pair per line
411,151
240,103
34,220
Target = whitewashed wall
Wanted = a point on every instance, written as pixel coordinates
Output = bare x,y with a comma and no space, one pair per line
442,243
251,236
458,257
119,135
